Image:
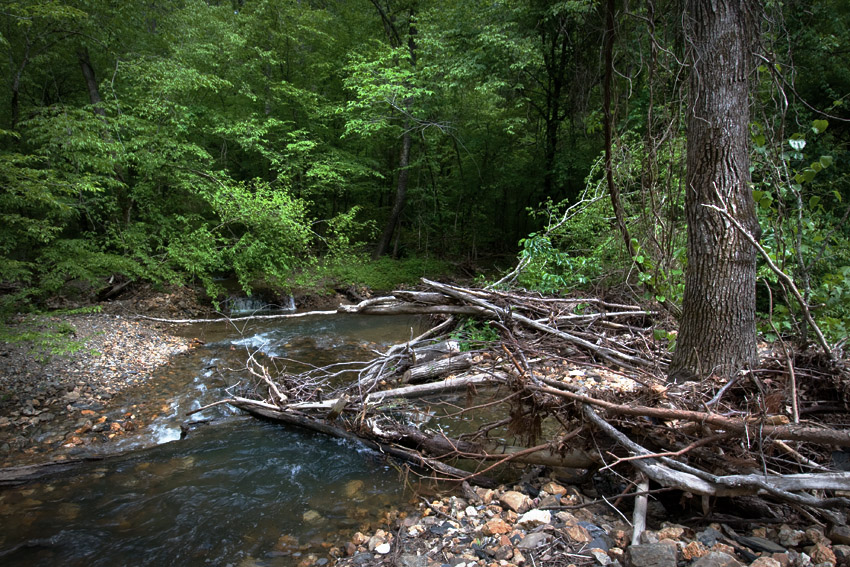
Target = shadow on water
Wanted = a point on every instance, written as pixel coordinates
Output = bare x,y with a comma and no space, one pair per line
242,492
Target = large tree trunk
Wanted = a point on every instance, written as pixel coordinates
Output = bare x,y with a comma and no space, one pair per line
717,333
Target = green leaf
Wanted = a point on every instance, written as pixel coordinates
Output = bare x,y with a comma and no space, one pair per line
825,161
819,126
797,143
814,201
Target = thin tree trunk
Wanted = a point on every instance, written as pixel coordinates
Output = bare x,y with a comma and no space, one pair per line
400,194
91,81
717,333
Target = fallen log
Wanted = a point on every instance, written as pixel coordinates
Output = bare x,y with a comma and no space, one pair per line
434,368
447,385
269,412
613,356
753,428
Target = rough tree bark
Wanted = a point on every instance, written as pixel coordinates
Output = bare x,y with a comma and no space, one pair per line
717,333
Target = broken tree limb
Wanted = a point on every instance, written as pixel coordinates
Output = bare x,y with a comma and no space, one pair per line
733,485
751,427
399,308
238,319
268,412
608,354
433,368
447,385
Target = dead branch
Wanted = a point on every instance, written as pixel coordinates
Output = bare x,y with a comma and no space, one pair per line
789,432
733,485
611,355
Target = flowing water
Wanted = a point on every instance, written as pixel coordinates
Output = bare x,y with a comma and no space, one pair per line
239,492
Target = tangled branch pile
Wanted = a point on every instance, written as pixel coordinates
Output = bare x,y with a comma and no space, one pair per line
575,383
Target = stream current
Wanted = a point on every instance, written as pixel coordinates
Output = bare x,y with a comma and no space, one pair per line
238,492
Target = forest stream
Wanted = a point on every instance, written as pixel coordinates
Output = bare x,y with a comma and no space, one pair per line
236,491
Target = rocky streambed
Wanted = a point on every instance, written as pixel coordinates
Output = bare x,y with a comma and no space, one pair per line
52,404
544,523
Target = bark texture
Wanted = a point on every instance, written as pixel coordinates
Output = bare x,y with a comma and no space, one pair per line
717,333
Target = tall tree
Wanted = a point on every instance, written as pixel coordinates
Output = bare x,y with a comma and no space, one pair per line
717,333
398,33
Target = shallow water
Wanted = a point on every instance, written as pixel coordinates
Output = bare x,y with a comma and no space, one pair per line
241,492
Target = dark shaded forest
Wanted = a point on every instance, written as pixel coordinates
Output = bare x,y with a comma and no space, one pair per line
282,142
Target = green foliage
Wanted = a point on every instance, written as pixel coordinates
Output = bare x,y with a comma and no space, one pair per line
474,334
797,198
571,254
381,275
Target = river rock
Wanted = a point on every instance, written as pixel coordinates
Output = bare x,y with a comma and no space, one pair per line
651,555
842,555
516,501
839,535
601,557
761,544
694,550
765,562
821,553
534,518
709,536
353,487
496,526
311,516
410,560
789,537
533,540
383,549
554,489
716,559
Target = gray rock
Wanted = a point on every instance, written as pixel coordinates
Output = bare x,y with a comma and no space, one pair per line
363,558
709,537
533,540
790,537
717,559
410,560
761,544
839,535
651,555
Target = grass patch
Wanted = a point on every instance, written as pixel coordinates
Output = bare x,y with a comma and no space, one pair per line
43,336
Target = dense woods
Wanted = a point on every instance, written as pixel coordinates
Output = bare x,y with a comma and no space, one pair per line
183,141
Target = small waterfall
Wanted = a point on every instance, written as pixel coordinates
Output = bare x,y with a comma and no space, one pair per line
251,305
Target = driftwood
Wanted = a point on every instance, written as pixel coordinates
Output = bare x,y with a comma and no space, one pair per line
428,370
691,434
